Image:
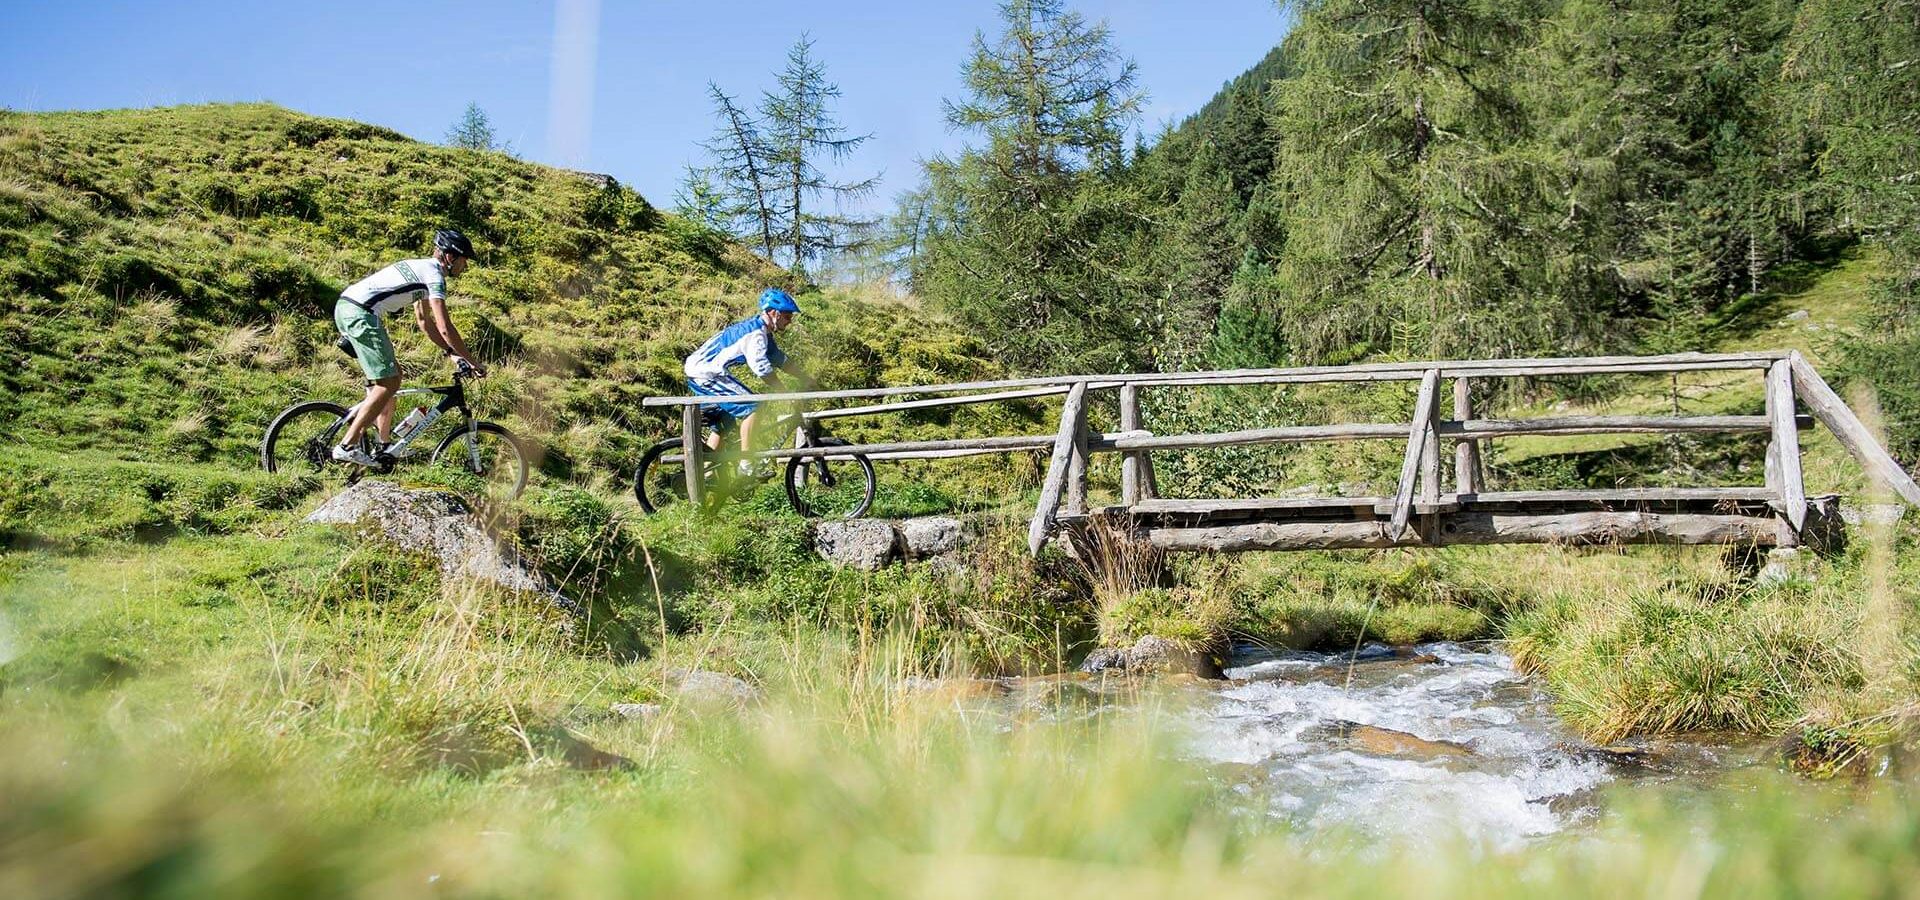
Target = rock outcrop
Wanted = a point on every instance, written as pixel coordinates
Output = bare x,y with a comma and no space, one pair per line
438,523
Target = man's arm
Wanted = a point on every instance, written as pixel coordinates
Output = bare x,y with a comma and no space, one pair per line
429,327
450,339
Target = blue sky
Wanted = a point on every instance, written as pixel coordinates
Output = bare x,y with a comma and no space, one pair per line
414,66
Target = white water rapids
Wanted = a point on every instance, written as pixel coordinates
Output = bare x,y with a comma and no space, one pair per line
1439,742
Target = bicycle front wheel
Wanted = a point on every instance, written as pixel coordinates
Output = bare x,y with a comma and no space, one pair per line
830,487
659,482
300,441
490,453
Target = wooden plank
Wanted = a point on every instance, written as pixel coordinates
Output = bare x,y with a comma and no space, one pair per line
1783,452
691,446
1077,471
1402,371
935,402
1853,434
946,448
1569,425
1072,419
1416,442
1254,505
1574,529
1466,454
1130,463
1288,434
986,445
1628,496
1429,492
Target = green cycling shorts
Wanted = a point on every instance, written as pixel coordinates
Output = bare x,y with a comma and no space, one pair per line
368,334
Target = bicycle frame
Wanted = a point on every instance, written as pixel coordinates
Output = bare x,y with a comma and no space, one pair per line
452,397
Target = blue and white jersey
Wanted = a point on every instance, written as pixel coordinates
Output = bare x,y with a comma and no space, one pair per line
746,342
399,286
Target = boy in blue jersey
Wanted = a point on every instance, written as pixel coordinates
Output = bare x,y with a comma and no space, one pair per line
748,342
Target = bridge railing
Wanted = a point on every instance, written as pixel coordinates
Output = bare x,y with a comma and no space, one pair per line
1789,380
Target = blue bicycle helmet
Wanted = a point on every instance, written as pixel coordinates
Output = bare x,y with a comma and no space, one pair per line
775,298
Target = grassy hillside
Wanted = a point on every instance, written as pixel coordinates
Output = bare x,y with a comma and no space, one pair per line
167,277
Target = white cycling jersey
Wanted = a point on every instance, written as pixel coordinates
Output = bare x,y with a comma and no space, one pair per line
746,342
399,286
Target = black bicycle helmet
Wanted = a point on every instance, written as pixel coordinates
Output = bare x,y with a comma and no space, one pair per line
452,242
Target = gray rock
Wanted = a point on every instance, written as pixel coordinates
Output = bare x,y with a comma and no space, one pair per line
1152,655
1780,566
1872,513
434,522
1106,659
642,711
702,688
1159,656
1798,315
865,544
931,536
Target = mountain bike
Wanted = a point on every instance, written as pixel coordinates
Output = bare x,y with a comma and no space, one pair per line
302,437
830,486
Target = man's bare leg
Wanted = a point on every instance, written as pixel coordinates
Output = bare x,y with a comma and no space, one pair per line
378,407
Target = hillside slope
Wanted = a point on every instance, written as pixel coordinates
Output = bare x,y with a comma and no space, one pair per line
166,278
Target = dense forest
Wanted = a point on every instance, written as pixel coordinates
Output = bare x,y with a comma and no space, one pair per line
1429,178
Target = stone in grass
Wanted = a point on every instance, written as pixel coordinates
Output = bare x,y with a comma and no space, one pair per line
642,711
702,688
864,544
435,522
931,536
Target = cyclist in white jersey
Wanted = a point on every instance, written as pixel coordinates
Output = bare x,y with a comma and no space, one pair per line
748,342
358,315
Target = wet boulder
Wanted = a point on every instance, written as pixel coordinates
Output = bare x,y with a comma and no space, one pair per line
1153,655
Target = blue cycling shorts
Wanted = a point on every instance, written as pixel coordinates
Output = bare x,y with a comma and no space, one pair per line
723,415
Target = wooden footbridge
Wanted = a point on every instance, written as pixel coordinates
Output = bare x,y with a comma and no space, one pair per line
1423,511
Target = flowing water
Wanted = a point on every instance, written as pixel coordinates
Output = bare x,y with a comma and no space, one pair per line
1438,742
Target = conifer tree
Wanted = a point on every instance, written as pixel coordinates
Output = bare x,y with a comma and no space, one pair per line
736,191
1036,226
802,135
1404,160
474,131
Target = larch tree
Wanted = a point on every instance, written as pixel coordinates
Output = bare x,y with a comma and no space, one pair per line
1034,225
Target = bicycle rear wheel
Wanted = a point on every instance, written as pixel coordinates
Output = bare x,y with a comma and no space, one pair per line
490,453
300,441
830,487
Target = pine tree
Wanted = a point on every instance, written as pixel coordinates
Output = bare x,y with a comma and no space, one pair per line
736,192
1036,225
803,134
474,131
1406,166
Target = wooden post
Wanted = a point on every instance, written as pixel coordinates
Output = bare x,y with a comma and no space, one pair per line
1783,452
1072,419
1833,413
1417,436
1132,478
1467,475
1077,472
691,449
1430,455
